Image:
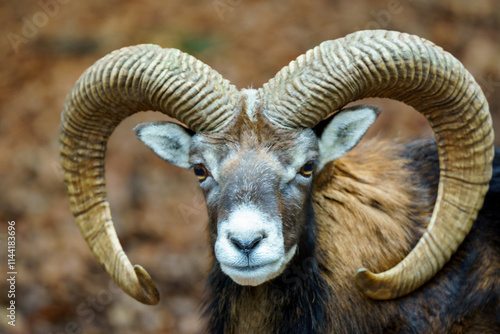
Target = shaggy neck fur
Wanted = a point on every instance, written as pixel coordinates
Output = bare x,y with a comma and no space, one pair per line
291,303
372,206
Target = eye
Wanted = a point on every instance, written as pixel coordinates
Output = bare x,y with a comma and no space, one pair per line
307,169
201,172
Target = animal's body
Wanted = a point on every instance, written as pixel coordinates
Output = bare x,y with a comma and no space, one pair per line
373,203
293,212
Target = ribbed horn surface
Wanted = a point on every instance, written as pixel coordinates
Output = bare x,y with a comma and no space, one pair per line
415,71
127,81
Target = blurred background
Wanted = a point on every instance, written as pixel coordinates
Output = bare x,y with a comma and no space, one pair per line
159,212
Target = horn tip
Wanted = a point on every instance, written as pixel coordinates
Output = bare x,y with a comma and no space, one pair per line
149,293
371,285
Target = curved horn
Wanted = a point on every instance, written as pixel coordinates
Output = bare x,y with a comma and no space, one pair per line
127,81
415,71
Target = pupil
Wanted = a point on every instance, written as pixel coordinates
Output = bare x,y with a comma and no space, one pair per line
199,171
308,166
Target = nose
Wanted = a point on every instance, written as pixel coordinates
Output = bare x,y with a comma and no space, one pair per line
246,245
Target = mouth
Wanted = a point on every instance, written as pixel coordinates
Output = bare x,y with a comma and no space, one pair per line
248,268
256,274
251,274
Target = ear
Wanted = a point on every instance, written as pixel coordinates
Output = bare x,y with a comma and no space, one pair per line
168,140
339,134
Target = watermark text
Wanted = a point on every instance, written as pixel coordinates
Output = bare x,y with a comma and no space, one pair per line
11,273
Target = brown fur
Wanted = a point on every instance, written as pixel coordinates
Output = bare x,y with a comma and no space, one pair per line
371,208
362,205
362,210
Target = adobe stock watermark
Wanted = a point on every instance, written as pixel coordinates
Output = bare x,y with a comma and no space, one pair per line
383,17
194,210
88,309
489,84
297,274
11,273
32,24
222,7
58,170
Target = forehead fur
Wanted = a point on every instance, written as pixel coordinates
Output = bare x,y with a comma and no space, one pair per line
250,129
252,145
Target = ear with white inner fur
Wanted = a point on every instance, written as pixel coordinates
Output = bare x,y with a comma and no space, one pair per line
343,131
169,141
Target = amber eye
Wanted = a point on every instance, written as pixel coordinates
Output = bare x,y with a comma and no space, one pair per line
307,169
201,172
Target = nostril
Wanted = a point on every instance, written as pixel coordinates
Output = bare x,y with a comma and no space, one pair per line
254,242
246,245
